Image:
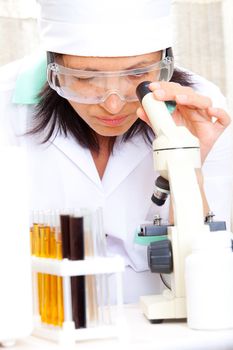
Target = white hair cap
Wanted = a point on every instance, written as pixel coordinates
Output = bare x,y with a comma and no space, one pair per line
102,28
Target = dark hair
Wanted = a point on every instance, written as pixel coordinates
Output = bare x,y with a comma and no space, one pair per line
54,115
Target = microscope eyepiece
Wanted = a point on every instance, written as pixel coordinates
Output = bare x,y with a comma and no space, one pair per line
142,90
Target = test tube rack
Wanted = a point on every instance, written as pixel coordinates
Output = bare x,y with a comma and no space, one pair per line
66,269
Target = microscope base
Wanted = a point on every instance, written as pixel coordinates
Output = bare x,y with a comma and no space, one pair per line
163,306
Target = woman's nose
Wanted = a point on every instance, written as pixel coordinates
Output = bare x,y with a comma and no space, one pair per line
113,103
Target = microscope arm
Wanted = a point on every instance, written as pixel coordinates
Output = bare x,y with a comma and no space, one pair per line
206,208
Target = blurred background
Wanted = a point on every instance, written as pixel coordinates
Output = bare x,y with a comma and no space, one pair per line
203,37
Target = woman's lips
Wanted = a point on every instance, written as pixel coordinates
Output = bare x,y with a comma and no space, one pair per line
112,121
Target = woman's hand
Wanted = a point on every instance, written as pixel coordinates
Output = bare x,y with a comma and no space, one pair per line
193,111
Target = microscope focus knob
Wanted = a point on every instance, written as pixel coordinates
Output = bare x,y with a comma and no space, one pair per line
159,255
161,192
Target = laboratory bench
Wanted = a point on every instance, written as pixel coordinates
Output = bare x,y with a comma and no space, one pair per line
139,333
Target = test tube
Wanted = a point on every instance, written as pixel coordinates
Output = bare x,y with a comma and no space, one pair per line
77,282
60,304
91,292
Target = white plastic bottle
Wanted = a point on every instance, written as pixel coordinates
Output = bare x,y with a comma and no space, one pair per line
209,282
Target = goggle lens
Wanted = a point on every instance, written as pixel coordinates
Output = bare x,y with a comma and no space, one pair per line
94,87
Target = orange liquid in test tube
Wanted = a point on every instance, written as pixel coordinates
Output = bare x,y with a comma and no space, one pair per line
36,250
46,314
53,291
46,243
60,304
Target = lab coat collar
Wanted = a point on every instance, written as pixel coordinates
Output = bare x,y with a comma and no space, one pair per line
125,158
31,79
79,156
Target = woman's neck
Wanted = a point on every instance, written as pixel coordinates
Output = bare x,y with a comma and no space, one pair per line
101,157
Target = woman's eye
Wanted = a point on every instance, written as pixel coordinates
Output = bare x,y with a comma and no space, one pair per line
83,79
137,76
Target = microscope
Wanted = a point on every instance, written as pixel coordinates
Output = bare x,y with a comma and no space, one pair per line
176,155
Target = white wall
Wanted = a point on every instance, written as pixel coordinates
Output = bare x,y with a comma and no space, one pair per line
204,40
18,29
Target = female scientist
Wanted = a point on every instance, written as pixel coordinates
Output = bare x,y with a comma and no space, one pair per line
87,143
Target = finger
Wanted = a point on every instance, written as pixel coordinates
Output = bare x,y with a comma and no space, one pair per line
193,100
195,115
183,95
222,116
164,85
142,115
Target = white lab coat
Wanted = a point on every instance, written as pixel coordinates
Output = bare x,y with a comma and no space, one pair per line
63,175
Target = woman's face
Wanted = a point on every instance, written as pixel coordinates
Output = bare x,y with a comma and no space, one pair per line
114,116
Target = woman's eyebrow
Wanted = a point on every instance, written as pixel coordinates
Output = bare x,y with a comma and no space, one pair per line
136,65
140,64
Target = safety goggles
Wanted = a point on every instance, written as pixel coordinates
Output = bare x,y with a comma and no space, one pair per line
93,87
